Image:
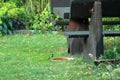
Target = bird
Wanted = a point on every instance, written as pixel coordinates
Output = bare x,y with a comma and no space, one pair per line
51,56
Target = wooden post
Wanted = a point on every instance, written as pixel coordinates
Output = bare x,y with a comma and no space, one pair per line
95,28
94,44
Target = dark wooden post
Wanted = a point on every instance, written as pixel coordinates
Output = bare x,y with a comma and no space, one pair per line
95,28
94,44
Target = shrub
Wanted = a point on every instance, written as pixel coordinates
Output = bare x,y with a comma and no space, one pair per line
9,12
112,47
6,26
17,2
113,27
44,21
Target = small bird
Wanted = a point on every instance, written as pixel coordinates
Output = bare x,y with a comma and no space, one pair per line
51,56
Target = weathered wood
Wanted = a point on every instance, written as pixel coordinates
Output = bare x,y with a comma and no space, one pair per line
66,22
87,1
76,34
94,44
97,27
84,8
75,45
88,42
111,33
96,30
85,34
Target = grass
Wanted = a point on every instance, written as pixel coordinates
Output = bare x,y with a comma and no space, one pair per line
25,57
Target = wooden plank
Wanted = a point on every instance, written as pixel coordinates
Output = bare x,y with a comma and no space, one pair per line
66,22
84,8
111,33
86,1
76,34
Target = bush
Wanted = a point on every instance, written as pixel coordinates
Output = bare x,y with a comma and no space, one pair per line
17,2
112,47
9,12
113,27
6,26
111,53
44,21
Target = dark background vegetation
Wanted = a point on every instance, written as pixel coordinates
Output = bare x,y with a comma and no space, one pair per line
25,14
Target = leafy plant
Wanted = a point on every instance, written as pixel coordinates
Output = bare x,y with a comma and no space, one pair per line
35,12
8,12
113,27
44,21
19,3
6,26
37,5
112,47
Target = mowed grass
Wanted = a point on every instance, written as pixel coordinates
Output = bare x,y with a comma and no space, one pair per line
25,57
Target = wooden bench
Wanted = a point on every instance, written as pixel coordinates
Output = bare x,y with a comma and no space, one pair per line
91,40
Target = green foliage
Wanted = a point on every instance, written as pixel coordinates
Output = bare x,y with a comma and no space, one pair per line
112,27
36,6
111,53
35,14
44,21
103,71
6,26
19,3
8,12
112,47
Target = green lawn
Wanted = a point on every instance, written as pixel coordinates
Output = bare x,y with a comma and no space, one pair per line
25,57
